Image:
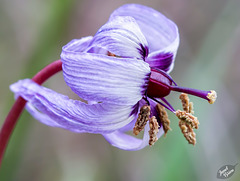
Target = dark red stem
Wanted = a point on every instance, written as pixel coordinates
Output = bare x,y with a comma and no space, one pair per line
15,112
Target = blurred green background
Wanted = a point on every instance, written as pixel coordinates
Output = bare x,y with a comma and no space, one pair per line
32,33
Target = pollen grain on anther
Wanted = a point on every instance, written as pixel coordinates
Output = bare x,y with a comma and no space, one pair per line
142,119
188,132
163,117
185,101
188,118
187,122
191,108
153,124
111,54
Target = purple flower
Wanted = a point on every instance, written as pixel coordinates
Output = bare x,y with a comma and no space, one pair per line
122,68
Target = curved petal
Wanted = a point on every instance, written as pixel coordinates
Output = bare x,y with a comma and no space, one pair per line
163,61
122,37
161,33
79,45
125,141
57,110
101,78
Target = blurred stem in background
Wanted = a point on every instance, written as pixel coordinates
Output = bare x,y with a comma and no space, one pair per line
46,50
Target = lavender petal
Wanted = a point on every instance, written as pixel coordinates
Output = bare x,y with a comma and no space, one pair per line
161,33
163,61
122,37
78,45
124,141
101,78
57,110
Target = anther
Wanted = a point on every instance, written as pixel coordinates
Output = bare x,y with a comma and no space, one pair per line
142,119
187,106
111,54
187,132
191,108
153,124
185,101
163,117
212,96
188,118
187,121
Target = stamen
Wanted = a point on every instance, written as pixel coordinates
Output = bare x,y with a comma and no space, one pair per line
191,108
153,124
168,104
110,54
170,108
188,118
187,121
187,106
187,132
142,119
185,101
163,117
212,96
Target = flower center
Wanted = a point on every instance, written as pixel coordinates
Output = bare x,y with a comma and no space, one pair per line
160,85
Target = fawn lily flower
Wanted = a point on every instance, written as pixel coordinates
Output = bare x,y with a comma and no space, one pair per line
122,73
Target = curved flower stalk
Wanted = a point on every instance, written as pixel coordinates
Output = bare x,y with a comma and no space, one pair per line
123,75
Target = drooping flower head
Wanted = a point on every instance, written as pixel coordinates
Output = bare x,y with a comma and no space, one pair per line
123,74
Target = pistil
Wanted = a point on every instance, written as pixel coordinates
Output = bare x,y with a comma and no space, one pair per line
161,84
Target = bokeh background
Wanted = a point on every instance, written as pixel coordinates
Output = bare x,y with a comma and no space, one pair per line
32,33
